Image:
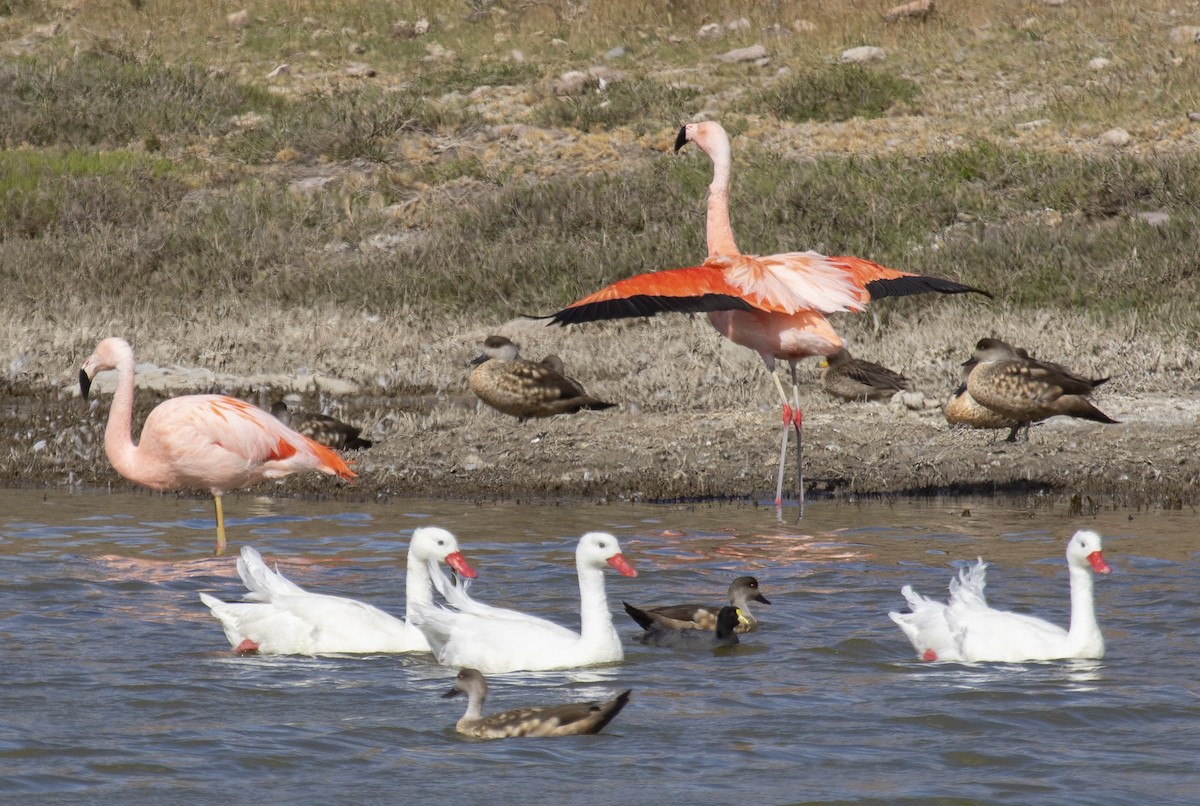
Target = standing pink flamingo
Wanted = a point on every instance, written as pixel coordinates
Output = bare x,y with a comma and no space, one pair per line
203,442
774,304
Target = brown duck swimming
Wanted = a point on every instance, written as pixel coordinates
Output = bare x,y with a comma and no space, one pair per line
571,719
742,591
851,378
524,389
1022,388
658,634
328,431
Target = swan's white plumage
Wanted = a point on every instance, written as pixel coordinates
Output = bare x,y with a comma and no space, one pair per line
966,629
470,634
282,618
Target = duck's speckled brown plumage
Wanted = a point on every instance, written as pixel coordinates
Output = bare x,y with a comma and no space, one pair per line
962,409
524,389
1020,387
851,378
328,431
571,719
742,591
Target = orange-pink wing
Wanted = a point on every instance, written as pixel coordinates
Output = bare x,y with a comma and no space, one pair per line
880,281
691,290
259,437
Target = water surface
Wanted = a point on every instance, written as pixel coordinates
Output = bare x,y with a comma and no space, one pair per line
119,686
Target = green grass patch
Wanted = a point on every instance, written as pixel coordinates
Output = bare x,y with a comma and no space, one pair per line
76,191
834,92
103,100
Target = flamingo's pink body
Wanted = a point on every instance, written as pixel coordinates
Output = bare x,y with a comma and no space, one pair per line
774,304
201,442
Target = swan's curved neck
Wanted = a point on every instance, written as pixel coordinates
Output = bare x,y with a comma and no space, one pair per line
595,622
418,584
1084,627
719,230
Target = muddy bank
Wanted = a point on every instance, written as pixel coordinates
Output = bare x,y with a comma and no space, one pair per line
440,445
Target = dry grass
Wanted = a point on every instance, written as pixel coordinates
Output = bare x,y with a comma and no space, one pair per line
144,189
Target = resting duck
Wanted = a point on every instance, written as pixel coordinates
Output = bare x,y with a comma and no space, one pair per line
967,630
469,634
571,719
282,618
524,389
329,431
742,591
1023,389
658,634
851,378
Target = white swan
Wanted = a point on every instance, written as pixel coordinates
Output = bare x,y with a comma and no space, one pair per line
282,618
967,630
495,640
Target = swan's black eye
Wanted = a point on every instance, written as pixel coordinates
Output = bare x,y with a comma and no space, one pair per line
441,542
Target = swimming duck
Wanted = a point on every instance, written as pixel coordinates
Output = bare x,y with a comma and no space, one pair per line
571,719
524,389
855,379
1024,389
470,634
742,591
967,630
328,431
658,634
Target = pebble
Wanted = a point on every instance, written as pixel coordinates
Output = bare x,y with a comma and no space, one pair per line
862,54
1185,34
750,54
1116,137
238,19
615,53
1099,63
917,9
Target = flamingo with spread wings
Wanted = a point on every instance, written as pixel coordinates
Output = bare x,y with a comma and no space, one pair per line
776,304
202,442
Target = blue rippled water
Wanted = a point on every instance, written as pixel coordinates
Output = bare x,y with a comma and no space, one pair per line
118,686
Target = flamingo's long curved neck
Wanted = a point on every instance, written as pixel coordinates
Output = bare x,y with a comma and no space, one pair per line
1084,627
715,143
595,622
118,437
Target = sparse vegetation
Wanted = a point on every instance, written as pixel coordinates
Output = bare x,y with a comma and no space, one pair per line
835,92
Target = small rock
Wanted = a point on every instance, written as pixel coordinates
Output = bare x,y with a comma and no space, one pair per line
915,10
804,26
356,49
750,54
615,53
1194,117
337,248
1185,34
421,27
1099,63
740,24
435,52
517,56
311,184
1117,137
360,70
384,242
238,19
573,82
281,70
862,54
1032,124
1155,218
1055,3
713,30
913,401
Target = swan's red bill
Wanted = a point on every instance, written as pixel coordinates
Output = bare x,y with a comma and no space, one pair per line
1098,564
459,563
619,562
